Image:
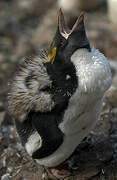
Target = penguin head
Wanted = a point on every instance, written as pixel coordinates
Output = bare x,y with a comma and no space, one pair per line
67,41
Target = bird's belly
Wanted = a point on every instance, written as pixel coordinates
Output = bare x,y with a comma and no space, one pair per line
74,129
79,118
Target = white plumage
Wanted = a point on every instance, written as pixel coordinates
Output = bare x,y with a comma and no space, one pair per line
94,78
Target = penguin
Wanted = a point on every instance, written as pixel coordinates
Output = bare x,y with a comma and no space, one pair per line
56,97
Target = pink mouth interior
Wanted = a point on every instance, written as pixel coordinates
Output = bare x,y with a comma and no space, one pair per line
65,32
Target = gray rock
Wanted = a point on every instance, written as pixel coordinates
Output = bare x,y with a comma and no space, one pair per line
5,177
9,169
75,5
45,31
112,11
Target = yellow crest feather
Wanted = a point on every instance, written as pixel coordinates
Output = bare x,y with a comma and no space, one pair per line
52,53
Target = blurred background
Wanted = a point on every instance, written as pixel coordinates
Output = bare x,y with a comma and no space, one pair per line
25,27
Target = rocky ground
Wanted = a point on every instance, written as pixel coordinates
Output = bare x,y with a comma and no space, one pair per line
24,28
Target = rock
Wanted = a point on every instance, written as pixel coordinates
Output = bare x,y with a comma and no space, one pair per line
2,108
5,177
111,43
94,151
112,11
46,30
113,133
113,65
9,169
76,5
111,96
1,117
32,7
8,120
114,81
23,48
6,44
96,35
8,22
88,173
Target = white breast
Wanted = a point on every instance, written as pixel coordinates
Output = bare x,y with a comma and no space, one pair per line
94,78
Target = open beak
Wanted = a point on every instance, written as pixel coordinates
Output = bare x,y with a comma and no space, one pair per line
77,32
65,32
